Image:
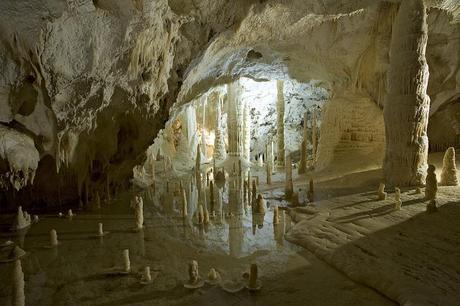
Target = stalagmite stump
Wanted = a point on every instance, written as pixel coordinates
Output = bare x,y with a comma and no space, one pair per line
449,169
398,202
381,194
254,284
194,280
431,184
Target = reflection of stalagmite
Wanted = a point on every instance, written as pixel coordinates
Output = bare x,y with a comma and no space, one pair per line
407,104
449,169
280,120
289,189
19,298
303,148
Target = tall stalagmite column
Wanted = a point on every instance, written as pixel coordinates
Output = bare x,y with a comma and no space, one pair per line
407,104
246,132
234,120
303,148
280,120
314,135
219,145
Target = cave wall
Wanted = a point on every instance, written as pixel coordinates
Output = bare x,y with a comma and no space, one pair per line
352,134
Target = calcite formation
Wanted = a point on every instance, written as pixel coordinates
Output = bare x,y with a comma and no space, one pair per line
449,169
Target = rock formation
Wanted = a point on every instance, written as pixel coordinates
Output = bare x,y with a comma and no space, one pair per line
289,188
18,283
407,104
280,121
449,169
431,187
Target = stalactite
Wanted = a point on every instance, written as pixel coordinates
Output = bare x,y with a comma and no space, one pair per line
407,104
280,120
234,121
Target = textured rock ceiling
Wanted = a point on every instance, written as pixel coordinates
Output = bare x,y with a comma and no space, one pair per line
90,83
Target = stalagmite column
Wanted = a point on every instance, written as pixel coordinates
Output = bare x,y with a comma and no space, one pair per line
303,148
234,121
407,104
314,136
246,132
280,120
219,145
269,163
203,132
289,189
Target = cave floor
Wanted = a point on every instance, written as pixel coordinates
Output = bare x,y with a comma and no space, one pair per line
73,273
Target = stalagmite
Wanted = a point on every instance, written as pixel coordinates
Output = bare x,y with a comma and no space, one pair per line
213,276
398,202
234,120
22,219
254,193
289,188
449,169
431,184
381,194
431,207
36,219
269,162
314,131
311,191
206,216
139,212
254,284
53,238
276,215
260,206
220,154
246,132
194,280
260,161
18,283
303,147
280,121
70,213
126,261
200,214
184,203
146,276
406,103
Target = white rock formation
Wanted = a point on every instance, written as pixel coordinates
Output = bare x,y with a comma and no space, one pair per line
139,212
407,103
280,121
53,238
126,261
23,219
449,169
